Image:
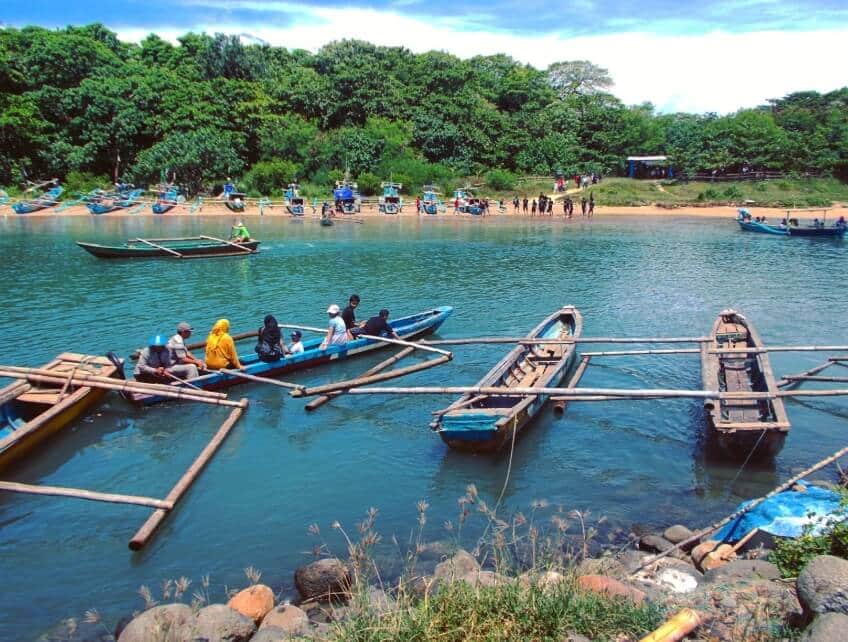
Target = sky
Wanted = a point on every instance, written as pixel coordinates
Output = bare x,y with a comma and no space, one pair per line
694,56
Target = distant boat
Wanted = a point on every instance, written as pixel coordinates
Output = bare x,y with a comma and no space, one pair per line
466,203
47,199
741,425
430,202
390,202
31,414
295,204
486,423
346,196
168,198
109,202
236,201
817,230
178,248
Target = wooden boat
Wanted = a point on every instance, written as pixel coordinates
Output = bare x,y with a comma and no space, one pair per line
740,425
390,202
749,225
346,197
29,414
295,205
430,202
235,201
409,327
176,248
817,230
47,199
167,199
114,201
486,423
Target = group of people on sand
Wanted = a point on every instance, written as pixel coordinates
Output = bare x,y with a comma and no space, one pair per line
168,360
545,205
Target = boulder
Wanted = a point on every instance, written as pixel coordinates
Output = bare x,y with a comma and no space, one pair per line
322,579
168,623
609,586
700,551
630,560
484,579
254,602
571,636
378,601
459,565
678,580
288,618
719,557
271,634
827,627
654,544
73,630
602,566
677,533
742,570
823,585
220,623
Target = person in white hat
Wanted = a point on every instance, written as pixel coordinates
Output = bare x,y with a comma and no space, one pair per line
337,334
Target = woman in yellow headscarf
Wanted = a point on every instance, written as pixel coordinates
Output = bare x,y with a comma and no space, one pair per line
220,347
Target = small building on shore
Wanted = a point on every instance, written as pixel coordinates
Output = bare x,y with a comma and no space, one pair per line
649,167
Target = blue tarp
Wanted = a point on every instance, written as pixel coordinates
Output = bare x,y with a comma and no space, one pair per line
343,194
785,514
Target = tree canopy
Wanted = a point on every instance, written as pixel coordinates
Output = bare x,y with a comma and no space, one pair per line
79,100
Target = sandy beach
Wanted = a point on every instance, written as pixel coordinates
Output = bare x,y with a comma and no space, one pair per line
213,208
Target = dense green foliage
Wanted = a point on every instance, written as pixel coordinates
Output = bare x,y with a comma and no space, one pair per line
80,100
791,555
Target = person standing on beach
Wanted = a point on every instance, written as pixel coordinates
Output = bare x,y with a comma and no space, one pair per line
524,204
583,205
591,205
533,208
550,207
417,205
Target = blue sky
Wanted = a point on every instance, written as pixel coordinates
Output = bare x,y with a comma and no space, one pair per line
717,55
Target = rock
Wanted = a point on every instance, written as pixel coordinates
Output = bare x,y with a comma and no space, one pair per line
378,601
484,579
73,630
322,579
827,627
168,623
721,555
575,637
122,624
422,585
700,551
677,533
610,586
742,570
271,634
630,560
602,566
220,623
550,580
823,585
254,602
288,618
654,544
677,580
459,565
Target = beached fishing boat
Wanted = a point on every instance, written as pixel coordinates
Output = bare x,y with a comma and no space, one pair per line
235,201
738,426
109,202
465,202
190,247
486,423
167,198
47,199
346,197
430,202
295,205
29,414
390,202
409,327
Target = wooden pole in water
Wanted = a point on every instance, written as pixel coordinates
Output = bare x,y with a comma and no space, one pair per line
79,493
535,340
266,380
320,401
714,527
362,381
153,522
787,380
401,342
815,378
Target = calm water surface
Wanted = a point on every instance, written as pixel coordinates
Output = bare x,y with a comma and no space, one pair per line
283,469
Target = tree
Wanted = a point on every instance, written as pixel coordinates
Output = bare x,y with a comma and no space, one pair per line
578,77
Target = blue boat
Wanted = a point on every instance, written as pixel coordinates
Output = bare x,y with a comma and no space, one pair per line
47,199
409,327
390,202
466,203
168,198
294,201
346,197
114,201
430,202
816,230
487,422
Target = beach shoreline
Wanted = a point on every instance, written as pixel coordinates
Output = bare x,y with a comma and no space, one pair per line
218,209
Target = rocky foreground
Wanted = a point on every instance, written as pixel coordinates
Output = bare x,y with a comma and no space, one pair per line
738,596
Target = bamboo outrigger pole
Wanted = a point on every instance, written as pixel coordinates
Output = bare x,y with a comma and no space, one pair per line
79,493
153,522
266,380
714,527
535,340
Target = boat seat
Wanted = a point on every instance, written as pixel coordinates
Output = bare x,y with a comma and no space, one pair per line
50,398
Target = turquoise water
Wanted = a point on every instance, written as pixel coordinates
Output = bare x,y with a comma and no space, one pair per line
283,469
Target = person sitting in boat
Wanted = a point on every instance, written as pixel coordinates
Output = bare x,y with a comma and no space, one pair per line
239,233
155,366
220,347
841,222
337,334
783,224
296,346
270,345
378,326
349,313
815,222
177,348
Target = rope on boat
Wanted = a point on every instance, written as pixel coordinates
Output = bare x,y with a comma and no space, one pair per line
745,463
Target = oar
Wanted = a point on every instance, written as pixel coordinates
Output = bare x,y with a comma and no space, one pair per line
272,382
185,382
291,326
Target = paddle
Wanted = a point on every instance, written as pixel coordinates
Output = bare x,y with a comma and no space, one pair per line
272,382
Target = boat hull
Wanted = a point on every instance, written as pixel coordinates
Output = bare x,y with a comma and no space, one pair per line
161,208
139,251
741,428
762,228
410,327
17,444
496,421
818,232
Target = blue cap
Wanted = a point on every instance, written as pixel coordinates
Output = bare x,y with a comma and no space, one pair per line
158,340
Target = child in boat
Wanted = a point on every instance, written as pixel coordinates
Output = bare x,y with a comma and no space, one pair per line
297,345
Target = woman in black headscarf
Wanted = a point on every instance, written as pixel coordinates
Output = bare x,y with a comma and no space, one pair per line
270,345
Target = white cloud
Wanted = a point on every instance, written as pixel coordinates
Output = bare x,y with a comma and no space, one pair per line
716,71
